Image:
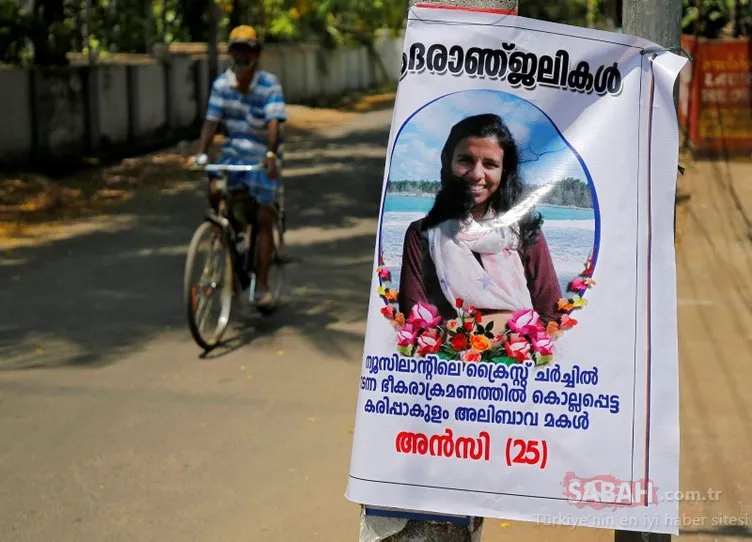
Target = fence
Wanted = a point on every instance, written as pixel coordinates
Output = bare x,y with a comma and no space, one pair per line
56,115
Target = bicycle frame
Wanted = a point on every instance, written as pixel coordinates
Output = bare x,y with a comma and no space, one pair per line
221,218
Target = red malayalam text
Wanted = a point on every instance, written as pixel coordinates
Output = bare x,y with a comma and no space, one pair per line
527,452
446,445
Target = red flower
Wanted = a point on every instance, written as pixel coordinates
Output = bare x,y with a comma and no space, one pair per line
388,311
459,302
567,322
468,325
577,285
458,342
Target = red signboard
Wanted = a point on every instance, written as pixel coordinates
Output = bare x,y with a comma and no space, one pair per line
715,99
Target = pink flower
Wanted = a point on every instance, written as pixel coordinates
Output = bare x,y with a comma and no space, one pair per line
470,356
384,273
424,316
518,349
406,336
543,345
525,322
577,284
452,325
429,343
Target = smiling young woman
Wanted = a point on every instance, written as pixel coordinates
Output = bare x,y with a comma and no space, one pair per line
456,252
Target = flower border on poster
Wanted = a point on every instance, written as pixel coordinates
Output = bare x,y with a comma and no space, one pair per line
466,338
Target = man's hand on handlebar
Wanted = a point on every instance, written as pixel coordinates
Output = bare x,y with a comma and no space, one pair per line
199,160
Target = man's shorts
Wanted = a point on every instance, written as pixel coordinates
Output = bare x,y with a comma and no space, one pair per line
260,186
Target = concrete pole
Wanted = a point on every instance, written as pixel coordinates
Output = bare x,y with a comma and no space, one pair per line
656,20
660,22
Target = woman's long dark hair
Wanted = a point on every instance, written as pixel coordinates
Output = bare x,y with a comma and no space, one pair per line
455,200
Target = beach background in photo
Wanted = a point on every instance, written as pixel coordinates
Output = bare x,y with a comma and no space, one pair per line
568,211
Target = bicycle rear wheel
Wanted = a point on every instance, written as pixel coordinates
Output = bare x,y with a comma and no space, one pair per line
277,271
276,276
213,285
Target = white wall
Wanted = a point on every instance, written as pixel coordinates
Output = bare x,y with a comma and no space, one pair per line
81,110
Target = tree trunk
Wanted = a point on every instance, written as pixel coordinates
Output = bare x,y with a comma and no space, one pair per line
50,48
195,19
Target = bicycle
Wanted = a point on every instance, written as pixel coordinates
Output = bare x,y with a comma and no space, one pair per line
233,239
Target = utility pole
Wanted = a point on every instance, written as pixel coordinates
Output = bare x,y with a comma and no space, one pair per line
660,22
213,45
656,20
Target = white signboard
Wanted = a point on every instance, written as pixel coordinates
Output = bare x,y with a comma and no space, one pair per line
520,357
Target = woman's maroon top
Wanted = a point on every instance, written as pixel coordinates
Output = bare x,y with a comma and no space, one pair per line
418,280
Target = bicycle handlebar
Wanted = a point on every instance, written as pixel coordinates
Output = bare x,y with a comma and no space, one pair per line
215,168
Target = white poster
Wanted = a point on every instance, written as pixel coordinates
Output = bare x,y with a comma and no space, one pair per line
520,358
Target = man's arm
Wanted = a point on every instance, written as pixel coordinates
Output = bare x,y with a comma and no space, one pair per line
274,110
213,117
274,129
207,135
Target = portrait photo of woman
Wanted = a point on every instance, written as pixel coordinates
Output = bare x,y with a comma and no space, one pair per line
459,250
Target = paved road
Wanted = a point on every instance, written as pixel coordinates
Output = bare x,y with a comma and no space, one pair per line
113,428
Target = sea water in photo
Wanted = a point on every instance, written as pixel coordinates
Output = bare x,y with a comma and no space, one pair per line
569,231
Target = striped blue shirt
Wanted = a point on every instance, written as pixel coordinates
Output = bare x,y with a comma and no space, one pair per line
246,115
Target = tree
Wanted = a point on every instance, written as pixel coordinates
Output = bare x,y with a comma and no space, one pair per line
50,33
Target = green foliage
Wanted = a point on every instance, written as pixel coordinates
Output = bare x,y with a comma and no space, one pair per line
716,14
744,17
574,12
14,29
331,22
45,33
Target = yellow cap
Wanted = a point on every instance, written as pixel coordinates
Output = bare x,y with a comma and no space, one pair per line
244,34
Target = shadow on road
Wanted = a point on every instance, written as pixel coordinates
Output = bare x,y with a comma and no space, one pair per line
735,531
97,297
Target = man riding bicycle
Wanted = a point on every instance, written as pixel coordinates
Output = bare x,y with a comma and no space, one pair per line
251,103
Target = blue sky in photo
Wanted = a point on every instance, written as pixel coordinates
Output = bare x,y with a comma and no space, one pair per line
545,155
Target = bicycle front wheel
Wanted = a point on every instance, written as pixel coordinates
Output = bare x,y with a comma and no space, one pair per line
276,277
208,285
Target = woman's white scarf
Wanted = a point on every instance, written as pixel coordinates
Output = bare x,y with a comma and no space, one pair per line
499,284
